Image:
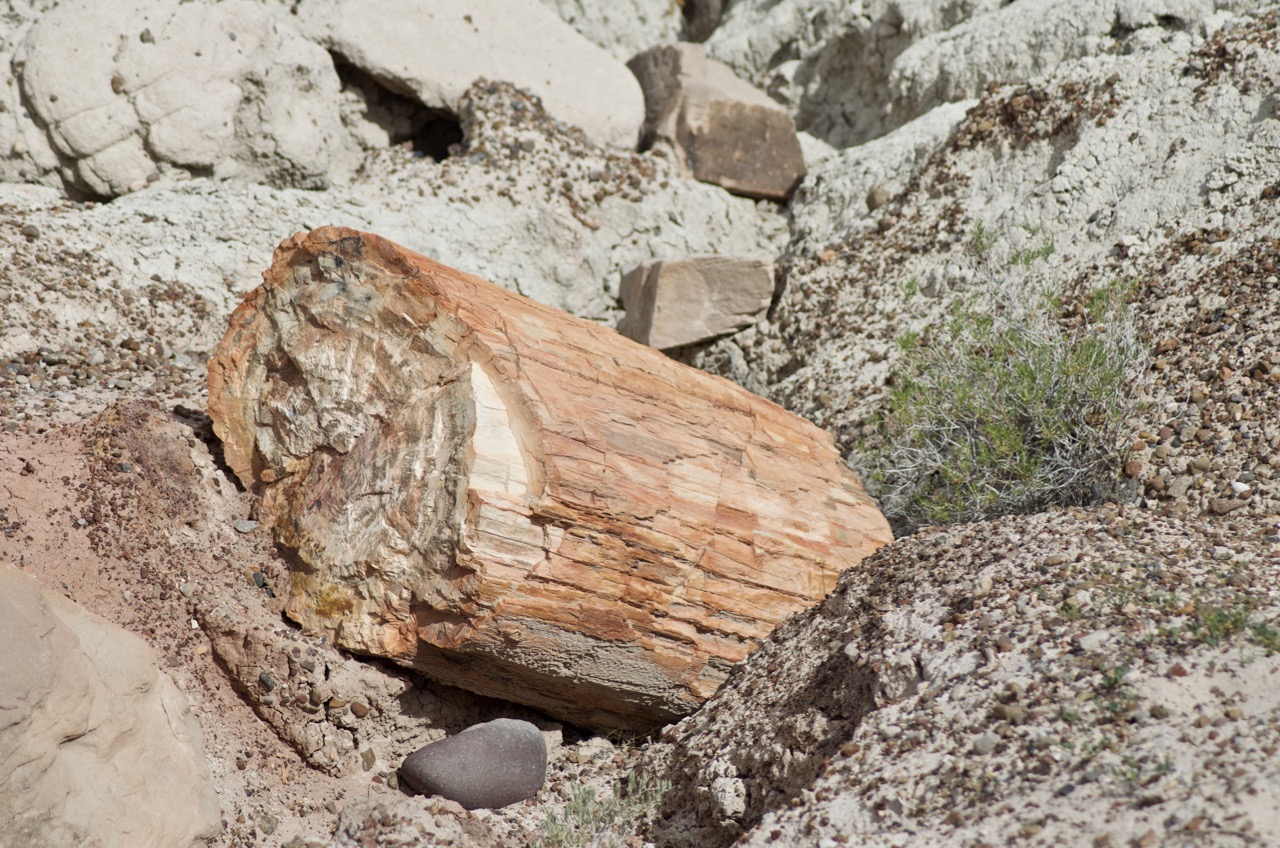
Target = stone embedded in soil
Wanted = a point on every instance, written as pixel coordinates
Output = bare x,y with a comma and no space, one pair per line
488,766
683,301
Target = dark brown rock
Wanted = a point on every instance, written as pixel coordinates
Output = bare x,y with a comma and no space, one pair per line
721,129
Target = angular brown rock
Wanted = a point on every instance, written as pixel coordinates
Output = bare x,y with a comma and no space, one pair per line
673,302
514,500
722,129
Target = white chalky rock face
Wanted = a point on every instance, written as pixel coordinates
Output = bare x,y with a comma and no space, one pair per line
623,27
434,51
97,746
128,87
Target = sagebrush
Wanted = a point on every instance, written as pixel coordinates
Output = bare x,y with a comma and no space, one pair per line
592,821
1016,402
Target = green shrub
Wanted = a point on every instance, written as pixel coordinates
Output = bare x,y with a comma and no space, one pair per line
1018,401
593,822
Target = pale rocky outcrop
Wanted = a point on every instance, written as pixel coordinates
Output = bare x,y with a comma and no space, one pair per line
25,152
942,696
721,129
673,302
837,197
222,89
97,746
1035,37
623,27
515,501
434,51
828,61
850,72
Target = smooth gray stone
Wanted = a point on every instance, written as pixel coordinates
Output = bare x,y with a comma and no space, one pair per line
487,765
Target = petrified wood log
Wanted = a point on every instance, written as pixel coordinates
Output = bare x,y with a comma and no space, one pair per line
514,500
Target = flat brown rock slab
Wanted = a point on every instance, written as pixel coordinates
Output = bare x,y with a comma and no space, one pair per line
674,302
514,500
722,129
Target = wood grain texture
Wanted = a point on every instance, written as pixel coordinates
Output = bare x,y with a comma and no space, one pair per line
514,500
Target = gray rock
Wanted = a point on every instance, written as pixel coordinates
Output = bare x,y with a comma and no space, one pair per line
488,765
829,61
433,51
99,747
836,196
721,129
623,27
219,89
212,238
683,301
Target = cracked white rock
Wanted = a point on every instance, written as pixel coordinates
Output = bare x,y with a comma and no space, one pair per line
219,89
434,51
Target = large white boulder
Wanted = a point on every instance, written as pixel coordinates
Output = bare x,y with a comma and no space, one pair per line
130,88
97,746
433,50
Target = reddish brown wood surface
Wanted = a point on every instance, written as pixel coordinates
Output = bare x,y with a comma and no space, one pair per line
514,500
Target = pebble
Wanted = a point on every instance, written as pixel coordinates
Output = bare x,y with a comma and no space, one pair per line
245,525
1222,506
486,766
1093,641
985,744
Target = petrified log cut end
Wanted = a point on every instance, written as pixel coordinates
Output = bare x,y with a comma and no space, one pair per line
514,500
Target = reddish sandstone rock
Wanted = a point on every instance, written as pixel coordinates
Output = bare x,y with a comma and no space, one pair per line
514,500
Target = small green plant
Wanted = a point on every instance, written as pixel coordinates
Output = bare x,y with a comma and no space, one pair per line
589,821
1029,256
983,239
1214,623
1266,636
1012,405
1113,678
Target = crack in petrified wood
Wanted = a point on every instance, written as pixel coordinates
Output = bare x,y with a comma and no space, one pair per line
514,500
